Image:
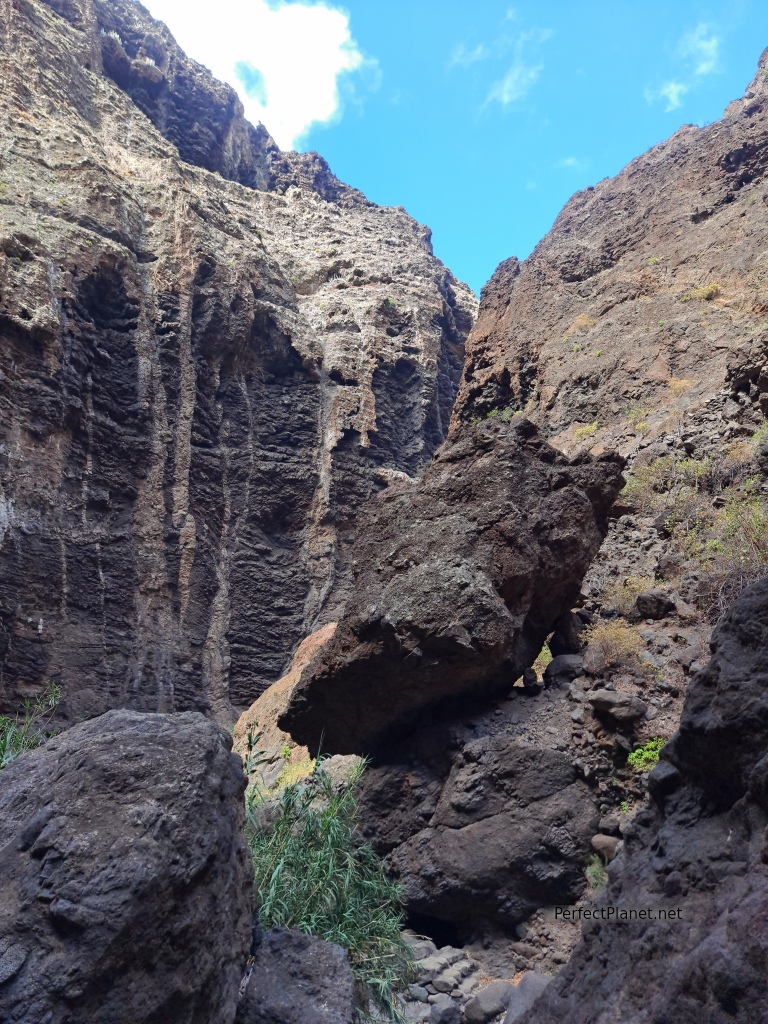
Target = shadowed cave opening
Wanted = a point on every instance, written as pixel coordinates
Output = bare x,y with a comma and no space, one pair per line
442,933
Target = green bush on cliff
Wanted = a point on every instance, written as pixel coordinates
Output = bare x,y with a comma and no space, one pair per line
313,872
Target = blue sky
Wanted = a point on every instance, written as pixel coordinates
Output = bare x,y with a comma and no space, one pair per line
480,119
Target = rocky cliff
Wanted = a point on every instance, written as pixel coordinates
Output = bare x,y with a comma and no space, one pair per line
647,297
211,353
701,845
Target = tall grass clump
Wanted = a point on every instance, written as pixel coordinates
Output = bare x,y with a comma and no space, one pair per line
26,730
314,872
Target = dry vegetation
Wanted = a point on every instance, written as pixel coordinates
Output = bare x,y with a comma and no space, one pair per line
715,513
616,639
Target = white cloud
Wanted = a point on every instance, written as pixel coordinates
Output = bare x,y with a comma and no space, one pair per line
464,57
522,74
285,59
572,163
673,92
702,46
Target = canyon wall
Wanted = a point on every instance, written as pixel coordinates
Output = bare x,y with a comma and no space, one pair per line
211,353
648,296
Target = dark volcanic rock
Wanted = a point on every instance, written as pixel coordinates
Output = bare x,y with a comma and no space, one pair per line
298,979
125,881
457,582
703,848
654,604
211,353
487,832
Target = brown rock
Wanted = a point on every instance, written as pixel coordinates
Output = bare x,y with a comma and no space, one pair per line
125,881
261,717
457,581
604,315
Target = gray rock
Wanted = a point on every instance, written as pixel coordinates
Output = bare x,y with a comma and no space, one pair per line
298,979
622,707
593,661
654,604
445,1011
606,846
418,993
489,1002
702,847
447,981
125,882
429,968
563,669
524,994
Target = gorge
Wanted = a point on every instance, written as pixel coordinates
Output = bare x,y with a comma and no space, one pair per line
267,468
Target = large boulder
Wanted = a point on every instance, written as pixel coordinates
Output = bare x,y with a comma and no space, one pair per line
701,847
298,979
125,881
487,830
457,582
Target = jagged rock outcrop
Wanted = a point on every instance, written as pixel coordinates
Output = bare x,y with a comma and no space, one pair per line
457,581
646,298
125,881
211,353
701,846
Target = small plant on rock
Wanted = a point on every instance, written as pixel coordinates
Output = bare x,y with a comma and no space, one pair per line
707,292
597,876
27,729
645,758
588,430
544,658
620,596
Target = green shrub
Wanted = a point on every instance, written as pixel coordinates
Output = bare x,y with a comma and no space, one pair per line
544,658
597,876
647,757
27,729
313,872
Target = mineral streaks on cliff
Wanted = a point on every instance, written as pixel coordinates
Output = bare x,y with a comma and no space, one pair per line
199,379
458,579
647,296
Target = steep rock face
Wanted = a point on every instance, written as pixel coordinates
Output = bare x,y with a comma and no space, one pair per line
702,847
211,353
457,581
648,295
125,881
